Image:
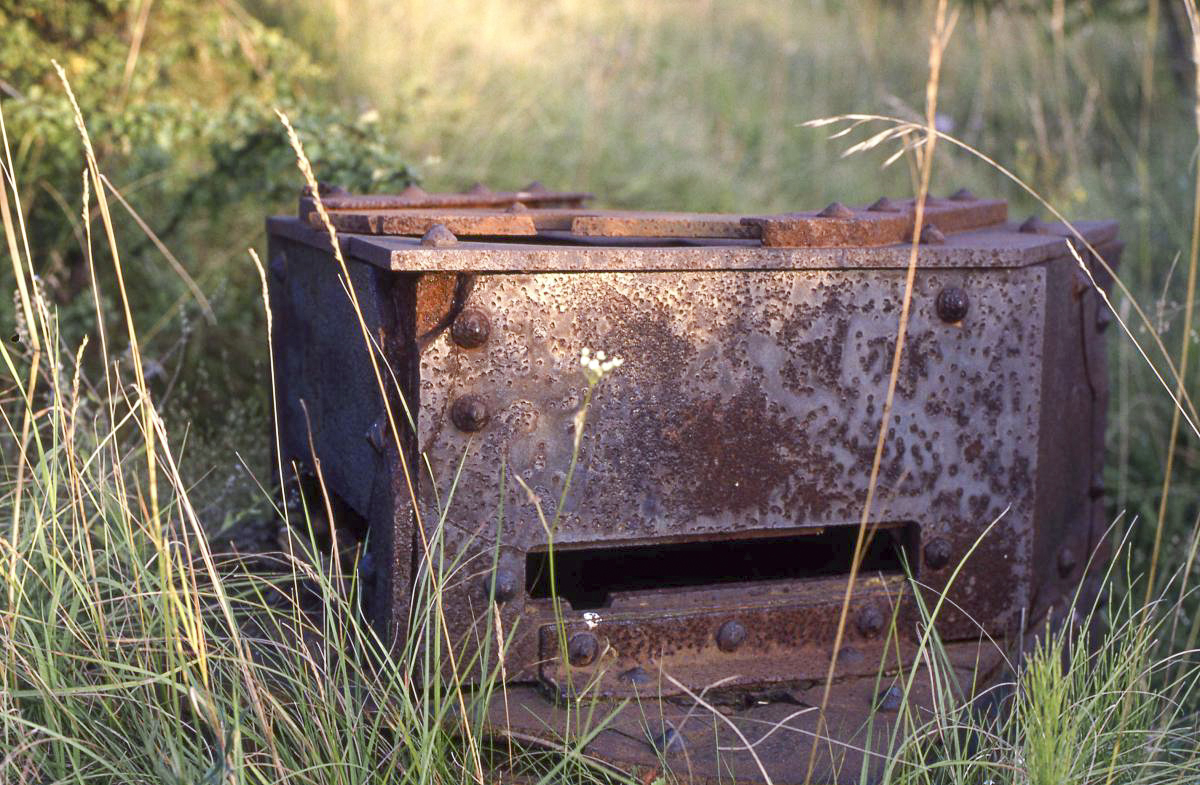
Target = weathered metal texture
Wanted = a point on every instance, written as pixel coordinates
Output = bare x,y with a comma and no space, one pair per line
740,637
884,223
723,471
748,404
659,224
686,740
329,406
418,222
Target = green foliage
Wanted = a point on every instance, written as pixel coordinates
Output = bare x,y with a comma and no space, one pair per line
179,97
180,102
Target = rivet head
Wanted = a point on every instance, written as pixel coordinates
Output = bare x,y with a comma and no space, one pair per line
1066,561
1033,225
931,235
636,675
937,553
377,434
1098,488
962,195
669,741
439,236
883,205
836,210
582,649
870,620
501,585
479,189
469,413
889,700
730,636
952,304
471,328
414,193
1104,318
278,266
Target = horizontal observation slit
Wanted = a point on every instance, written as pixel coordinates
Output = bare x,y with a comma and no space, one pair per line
586,577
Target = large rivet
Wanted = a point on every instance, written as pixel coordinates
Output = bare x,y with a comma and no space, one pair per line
730,636
952,304
1066,561
883,205
931,235
471,329
469,413
937,553
439,236
870,620
668,741
836,210
501,585
582,649
889,700
414,193
278,266
1033,225
636,675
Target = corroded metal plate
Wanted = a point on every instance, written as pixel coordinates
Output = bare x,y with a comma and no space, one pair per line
723,470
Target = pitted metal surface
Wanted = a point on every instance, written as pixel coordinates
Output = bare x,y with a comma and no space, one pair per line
709,526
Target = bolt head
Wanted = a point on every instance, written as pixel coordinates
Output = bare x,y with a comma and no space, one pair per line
469,413
636,676
1033,225
669,741
471,328
501,585
889,700
952,304
931,235
439,236
582,649
937,553
883,205
730,636
836,210
870,620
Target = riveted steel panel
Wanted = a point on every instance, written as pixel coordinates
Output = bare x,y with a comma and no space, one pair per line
707,532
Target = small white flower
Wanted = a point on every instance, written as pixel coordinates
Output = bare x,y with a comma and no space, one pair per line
591,619
597,365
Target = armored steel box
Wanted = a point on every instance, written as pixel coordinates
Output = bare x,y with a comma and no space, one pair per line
707,535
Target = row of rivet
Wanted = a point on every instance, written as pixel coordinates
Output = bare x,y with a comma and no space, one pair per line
584,647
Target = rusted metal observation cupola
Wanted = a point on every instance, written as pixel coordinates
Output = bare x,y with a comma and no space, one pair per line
708,533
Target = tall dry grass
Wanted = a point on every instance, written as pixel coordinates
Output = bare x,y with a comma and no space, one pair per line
129,652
